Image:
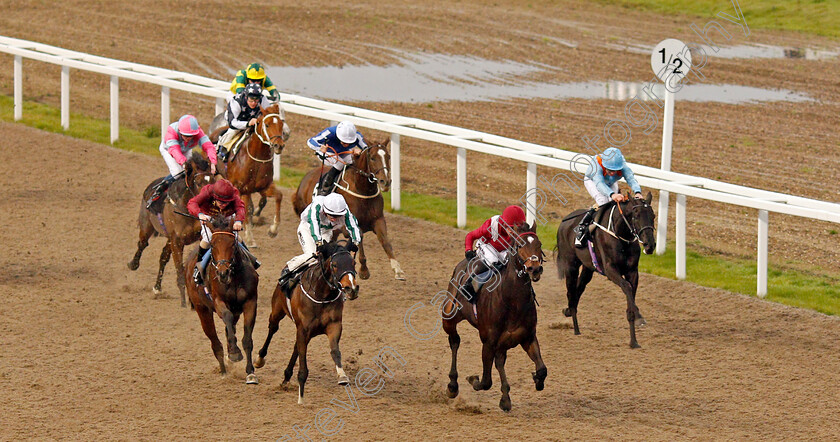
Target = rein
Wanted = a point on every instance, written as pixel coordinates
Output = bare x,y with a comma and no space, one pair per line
330,283
213,261
371,177
636,234
520,273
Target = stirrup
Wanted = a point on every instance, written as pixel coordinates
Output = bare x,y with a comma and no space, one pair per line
197,278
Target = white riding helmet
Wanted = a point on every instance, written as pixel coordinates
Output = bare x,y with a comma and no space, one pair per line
335,205
346,132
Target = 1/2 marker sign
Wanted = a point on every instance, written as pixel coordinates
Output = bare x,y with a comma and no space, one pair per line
670,61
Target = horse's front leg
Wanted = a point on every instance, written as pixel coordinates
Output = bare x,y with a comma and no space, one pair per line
249,311
165,254
261,204
205,315
488,354
333,332
504,402
303,371
274,318
278,198
146,231
450,326
248,232
230,319
633,278
532,347
364,272
382,234
613,274
177,249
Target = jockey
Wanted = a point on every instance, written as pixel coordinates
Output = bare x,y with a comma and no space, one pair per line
220,198
254,73
493,239
319,223
181,136
601,180
340,141
242,112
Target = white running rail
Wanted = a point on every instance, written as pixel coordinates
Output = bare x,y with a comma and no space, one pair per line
463,139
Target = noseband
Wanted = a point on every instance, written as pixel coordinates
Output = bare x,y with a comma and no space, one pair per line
213,261
264,137
532,258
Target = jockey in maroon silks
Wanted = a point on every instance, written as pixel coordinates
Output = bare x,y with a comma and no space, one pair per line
220,198
491,242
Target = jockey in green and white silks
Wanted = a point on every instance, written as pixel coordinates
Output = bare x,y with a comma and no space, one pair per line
601,181
319,222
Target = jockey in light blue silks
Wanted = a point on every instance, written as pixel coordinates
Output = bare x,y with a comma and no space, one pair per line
601,180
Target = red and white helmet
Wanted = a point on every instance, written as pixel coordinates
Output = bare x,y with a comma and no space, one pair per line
188,125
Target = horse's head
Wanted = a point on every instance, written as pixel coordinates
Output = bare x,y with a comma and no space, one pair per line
269,127
641,218
377,163
529,255
222,247
339,264
197,172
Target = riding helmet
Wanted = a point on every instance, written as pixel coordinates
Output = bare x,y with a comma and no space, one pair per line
223,190
188,125
255,71
335,205
513,216
346,132
253,90
612,159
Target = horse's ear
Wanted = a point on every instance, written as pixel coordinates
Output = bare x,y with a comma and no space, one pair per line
353,248
387,142
188,168
648,198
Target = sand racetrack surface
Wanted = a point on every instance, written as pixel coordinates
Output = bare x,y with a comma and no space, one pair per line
87,352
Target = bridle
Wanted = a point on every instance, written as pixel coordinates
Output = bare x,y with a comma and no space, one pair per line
264,137
370,175
333,282
217,264
519,261
636,234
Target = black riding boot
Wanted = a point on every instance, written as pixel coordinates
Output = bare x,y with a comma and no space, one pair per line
583,228
467,288
200,265
221,153
159,188
328,181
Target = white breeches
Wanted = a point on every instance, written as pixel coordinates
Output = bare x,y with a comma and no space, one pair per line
600,198
308,246
333,161
490,255
174,167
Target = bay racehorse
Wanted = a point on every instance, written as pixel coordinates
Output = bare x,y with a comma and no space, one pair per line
504,313
619,229
230,292
162,220
316,305
361,184
251,170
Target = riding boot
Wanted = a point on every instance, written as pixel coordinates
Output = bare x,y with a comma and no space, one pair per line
201,263
221,153
159,188
328,181
254,261
583,228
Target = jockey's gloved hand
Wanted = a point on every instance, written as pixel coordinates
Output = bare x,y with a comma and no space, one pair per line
469,254
639,195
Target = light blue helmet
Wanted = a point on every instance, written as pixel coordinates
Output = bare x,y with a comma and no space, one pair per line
612,159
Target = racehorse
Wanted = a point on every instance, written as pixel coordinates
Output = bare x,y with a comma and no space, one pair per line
505,315
316,305
178,230
252,171
231,284
620,228
361,184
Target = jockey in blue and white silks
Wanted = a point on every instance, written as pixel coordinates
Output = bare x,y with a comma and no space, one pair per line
601,181
336,145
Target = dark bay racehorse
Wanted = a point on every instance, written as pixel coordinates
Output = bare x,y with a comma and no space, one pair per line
252,169
361,184
316,305
232,284
179,230
505,315
616,249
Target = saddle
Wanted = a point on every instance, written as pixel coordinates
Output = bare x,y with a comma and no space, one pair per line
294,280
482,278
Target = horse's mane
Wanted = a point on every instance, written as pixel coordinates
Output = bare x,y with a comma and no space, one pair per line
220,222
198,160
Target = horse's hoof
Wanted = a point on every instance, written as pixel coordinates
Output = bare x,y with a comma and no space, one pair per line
133,265
640,322
452,390
635,345
343,380
253,245
251,379
364,273
567,312
300,400
399,276
259,362
272,231
157,291
539,378
504,404
475,382
234,357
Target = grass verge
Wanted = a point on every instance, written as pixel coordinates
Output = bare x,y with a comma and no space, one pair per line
818,17
813,291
